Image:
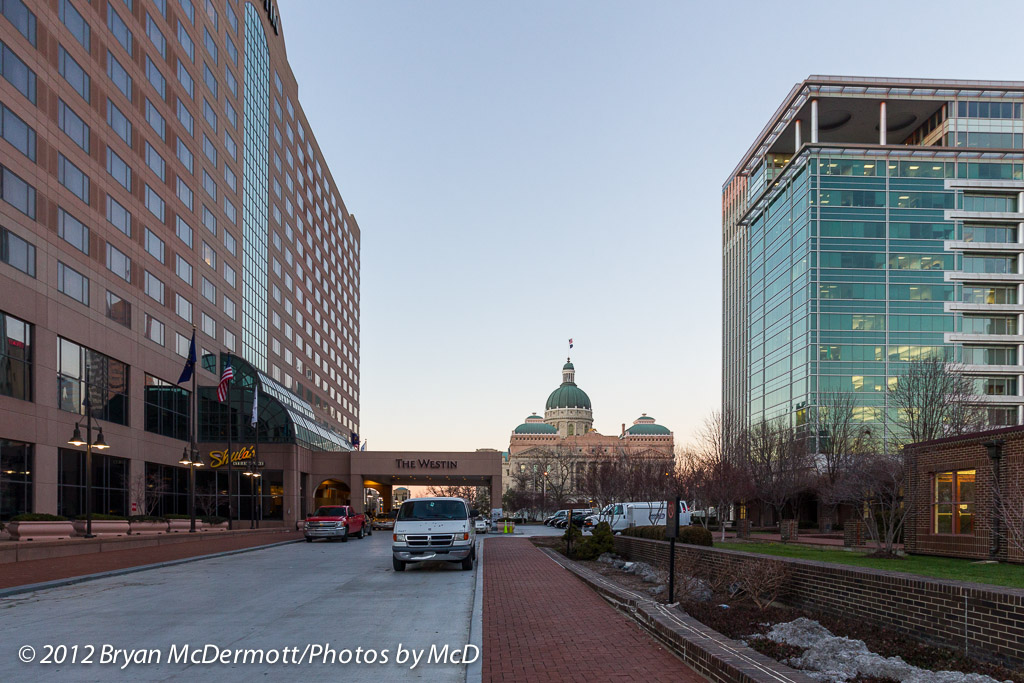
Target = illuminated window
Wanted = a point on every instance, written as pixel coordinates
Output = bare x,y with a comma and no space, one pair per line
954,502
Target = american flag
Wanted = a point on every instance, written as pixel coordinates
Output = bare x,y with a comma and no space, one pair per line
226,375
570,343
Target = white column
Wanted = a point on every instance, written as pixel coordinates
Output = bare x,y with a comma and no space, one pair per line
799,136
814,121
881,123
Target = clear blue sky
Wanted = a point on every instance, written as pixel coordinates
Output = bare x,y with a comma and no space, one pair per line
525,172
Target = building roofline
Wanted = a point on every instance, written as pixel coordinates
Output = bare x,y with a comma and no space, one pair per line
864,81
970,436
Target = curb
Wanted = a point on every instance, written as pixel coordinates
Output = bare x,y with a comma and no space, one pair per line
706,651
475,671
57,583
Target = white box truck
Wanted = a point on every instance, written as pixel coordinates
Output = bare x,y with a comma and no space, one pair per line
624,515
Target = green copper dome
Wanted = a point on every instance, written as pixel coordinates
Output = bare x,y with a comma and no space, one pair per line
568,396
535,428
648,430
568,366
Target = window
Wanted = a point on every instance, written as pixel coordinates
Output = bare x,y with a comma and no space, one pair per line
72,72
229,78
21,135
155,120
183,307
989,295
209,185
184,193
156,36
119,310
185,117
209,325
232,51
229,340
183,268
229,209
210,44
209,255
17,192
990,202
162,6
119,170
72,283
954,502
232,181
183,230
119,216
167,409
185,78
73,231
210,150
83,372
154,330
154,203
278,84
71,177
212,14
154,246
209,220
229,275
154,287
22,18
188,9
109,482
15,71
229,307
75,22
118,263
209,291
155,162
17,253
229,143
155,78
186,42
210,79
232,19
119,123
119,29
184,155
209,114
16,361
119,76
230,113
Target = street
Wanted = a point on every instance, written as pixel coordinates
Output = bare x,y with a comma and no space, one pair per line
321,595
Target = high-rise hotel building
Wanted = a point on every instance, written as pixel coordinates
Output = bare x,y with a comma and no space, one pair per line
157,173
871,223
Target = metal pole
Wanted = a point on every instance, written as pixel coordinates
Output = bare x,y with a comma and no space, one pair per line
230,468
194,410
257,504
88,466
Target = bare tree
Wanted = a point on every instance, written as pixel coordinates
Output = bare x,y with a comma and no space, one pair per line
147,491
206,500
1008,500
934,399
779,464
841,441
877,487
717,465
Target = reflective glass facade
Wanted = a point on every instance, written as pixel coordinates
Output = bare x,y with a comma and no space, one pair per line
255,215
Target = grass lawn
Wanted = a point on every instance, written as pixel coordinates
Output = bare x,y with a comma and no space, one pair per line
936,567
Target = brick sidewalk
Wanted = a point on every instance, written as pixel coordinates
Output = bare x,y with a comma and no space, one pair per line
36,571
541,623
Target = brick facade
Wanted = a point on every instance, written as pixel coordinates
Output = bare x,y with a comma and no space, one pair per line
986,620
967,452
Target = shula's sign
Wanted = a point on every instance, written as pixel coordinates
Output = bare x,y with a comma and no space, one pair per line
244,454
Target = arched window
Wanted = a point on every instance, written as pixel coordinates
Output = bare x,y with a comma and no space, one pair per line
572,429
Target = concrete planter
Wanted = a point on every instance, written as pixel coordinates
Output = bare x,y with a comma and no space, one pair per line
175,526
223,526
40,531
148,528
300,525
104,527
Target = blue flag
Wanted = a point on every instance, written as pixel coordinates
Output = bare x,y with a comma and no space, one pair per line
190,362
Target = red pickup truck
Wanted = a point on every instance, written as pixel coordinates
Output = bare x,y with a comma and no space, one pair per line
336,521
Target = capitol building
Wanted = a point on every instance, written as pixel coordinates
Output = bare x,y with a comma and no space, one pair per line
565,439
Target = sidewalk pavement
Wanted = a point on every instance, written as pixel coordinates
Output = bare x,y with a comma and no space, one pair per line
541,623
52,569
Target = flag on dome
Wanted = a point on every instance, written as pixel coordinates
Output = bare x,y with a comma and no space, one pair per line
570,343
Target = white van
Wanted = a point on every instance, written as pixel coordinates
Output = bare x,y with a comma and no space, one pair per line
434,528
624,515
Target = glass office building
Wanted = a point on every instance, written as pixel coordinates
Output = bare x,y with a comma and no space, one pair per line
872,223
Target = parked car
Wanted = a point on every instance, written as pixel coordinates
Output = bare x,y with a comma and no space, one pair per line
434,528
554,519
335,521
481,525
385,520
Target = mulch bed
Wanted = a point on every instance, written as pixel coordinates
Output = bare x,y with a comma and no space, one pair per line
743,620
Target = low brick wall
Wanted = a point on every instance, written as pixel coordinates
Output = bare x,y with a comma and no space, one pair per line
986,621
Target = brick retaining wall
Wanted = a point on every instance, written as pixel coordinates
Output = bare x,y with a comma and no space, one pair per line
986,620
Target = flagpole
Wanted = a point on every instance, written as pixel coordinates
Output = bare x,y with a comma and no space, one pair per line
230,468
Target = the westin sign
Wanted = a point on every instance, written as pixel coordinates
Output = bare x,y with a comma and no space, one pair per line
426,464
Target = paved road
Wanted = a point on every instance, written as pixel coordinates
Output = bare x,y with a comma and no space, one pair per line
345,595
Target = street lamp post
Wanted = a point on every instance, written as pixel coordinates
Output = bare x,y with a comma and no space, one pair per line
100,445
254,475
190,458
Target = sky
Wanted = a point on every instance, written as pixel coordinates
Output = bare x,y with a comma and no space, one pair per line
528,172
